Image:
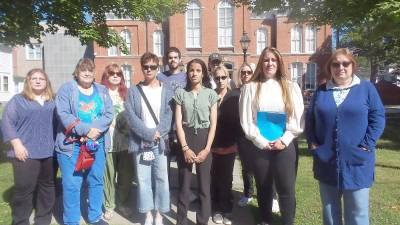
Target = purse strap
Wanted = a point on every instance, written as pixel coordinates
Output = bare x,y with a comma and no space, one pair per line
68,130
147,104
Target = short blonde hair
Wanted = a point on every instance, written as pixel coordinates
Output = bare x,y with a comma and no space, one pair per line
27,92
341,51
222,68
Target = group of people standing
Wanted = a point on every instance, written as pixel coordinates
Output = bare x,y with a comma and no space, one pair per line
134,132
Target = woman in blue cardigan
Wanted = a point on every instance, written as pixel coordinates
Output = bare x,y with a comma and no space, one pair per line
343,124
149,139
87,105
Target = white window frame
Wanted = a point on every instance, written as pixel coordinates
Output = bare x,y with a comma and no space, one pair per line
158,43
112,51
310,39
112,16
310,79
127,37
190,27
225,29
261,41
296,39
36,51
127,71
296,72
2,83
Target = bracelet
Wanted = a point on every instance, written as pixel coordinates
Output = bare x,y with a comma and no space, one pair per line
185,148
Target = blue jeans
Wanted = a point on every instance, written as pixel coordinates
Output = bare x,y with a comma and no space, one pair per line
72,183
153,186
355,203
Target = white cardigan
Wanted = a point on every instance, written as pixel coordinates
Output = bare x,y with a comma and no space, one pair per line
270,100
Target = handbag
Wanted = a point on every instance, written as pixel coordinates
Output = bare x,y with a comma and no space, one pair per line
148,155
85,158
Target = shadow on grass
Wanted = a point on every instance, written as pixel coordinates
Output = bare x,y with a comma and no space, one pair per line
7,194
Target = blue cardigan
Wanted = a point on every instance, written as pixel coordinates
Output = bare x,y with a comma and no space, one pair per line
341,132
138,130
67,111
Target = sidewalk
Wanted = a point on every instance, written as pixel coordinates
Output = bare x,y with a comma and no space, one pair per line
241,216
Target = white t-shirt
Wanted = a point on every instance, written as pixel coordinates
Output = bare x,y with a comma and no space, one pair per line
153,95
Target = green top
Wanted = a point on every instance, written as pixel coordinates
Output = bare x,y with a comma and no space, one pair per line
196,109
119,129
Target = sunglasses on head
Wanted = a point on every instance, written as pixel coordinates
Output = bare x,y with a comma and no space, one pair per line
244,72
221,78
152,67
337,64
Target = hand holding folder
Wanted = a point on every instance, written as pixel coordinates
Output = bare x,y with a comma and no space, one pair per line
272,125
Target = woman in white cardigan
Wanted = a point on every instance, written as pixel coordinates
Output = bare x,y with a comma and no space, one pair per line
271,108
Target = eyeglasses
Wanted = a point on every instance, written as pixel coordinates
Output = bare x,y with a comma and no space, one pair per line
221,78
344,64
244,72
147,67
119,74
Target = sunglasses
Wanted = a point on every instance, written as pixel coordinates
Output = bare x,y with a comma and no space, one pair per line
244,72
221,78
147,67
119,74
337,64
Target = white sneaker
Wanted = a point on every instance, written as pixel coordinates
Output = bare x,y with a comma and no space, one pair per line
275,206
244,201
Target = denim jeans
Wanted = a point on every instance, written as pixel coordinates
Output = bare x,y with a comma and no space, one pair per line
72,183
355,203
153,186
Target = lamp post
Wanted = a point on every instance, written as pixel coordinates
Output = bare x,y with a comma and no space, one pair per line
244,42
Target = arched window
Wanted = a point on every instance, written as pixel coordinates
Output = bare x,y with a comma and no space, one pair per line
297,72
126,36
225,24
296,39
127,71
261,35
158,43
310,80
193,25
310,39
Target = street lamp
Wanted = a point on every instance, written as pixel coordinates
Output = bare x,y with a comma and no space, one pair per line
244,42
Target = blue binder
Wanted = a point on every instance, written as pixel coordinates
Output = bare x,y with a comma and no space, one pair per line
272,125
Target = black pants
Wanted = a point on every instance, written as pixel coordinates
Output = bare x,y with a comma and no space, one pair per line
278,167
196,142
244,146
221,182
34,188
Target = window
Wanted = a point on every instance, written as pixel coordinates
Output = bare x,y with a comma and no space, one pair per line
225,24
112,16
127,70
158,43
113,51
310,42
126,36
297,72
193,28
311,77
4,83
296,39
34,52
261,40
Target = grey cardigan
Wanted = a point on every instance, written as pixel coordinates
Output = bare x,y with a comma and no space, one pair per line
138,130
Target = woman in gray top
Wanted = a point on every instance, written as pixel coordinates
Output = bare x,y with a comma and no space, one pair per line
28,125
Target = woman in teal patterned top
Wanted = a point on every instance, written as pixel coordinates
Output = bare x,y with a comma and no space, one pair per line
196,119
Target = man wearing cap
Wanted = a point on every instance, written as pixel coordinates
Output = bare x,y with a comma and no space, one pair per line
214,60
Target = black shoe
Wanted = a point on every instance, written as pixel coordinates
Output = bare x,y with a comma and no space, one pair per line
100,222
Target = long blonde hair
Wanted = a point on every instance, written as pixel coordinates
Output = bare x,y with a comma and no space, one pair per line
281,77
27,92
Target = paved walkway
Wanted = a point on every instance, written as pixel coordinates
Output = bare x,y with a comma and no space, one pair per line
241,216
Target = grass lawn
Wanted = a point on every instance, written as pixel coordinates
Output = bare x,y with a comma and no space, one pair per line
385,194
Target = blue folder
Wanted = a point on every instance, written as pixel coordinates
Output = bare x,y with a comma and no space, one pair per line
272,125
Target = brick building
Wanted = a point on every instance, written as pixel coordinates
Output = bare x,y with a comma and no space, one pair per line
216,26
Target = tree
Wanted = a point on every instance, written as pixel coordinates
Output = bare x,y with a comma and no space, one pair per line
23,20
372,26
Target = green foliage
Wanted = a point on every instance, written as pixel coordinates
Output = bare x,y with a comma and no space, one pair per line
21,21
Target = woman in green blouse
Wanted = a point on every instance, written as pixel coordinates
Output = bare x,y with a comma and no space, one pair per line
196,119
